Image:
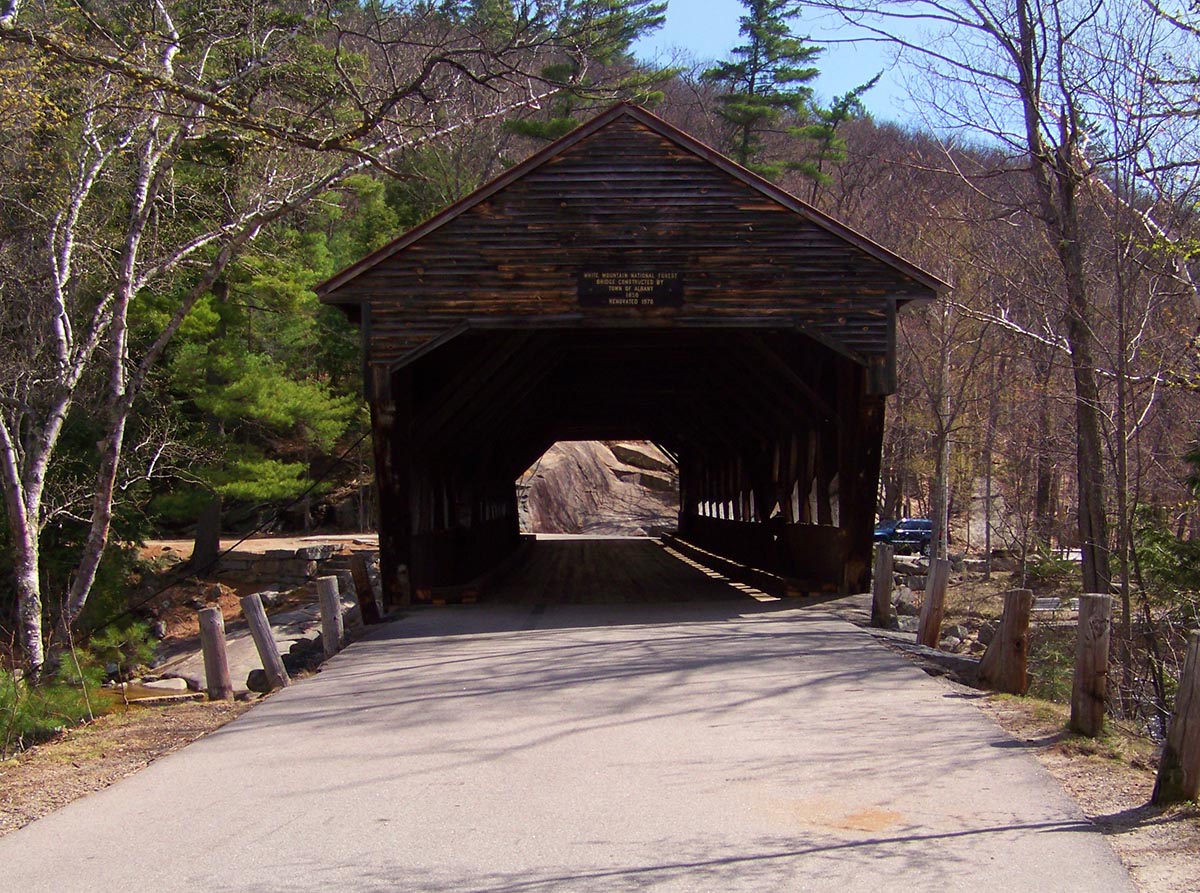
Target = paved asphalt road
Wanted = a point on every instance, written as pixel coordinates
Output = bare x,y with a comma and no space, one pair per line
725,745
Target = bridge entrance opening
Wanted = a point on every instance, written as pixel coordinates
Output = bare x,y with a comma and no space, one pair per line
628,283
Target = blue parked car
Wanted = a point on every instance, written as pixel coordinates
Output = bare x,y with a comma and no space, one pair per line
912,535
883,531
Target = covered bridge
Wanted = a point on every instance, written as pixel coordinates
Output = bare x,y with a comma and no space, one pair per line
628,282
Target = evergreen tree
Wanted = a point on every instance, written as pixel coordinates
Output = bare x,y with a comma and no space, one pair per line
766,82
610,27
828,146
264,374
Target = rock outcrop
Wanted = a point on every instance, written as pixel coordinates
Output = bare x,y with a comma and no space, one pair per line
606,488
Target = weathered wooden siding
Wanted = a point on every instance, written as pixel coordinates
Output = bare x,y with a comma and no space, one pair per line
759,355
627,198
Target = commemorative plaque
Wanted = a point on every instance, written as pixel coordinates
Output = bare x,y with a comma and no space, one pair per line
630,288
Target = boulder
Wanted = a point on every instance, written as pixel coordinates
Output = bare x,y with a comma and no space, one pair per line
257,681
271,598
173,683
640,457
1005,560
987,632
910,564
305,654
658,482
905,601
192,683
908,624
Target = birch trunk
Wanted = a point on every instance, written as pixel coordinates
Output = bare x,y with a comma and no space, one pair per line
29,598
23,481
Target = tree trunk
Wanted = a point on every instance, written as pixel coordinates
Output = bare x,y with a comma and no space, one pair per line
940,495
989,443
22,508
102,509
1058,169
29,598
207,545
1043,500
1093,522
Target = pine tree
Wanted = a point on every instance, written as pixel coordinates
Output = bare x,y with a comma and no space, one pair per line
610,27
828,146
766,82
258,372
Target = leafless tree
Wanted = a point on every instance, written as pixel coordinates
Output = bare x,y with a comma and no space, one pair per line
160,147
1023,74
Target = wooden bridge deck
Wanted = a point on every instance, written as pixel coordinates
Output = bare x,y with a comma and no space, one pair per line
607,570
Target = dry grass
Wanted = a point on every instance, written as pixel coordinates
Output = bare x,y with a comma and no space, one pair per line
91,757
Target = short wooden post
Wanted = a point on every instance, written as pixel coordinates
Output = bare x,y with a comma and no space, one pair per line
1005,664
1089,694
332,629
216,661
368,607
1179,768
264,641
881,605
933,607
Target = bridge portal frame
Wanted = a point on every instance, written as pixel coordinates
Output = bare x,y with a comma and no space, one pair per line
630,282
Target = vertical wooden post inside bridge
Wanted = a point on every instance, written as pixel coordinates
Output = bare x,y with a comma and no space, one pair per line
628,282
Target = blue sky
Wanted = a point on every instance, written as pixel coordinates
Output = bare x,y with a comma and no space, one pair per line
708,29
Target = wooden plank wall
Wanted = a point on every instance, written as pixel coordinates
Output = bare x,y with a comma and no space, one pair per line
627,198
801,505
763,366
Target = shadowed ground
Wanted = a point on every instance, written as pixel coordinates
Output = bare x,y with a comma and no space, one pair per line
564,569
720,745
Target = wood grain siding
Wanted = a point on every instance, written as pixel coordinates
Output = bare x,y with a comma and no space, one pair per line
628,282
627,198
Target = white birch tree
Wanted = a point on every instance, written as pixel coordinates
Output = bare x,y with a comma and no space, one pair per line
169,137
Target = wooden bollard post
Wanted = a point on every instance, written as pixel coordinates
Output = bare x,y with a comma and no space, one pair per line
1089,694
933,607
264,641
216,661
368,607
1179,768
332,628
1005,664
881,604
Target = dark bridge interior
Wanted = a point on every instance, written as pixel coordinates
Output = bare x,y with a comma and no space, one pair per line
629,283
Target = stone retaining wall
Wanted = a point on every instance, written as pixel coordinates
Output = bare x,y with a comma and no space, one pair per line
289,568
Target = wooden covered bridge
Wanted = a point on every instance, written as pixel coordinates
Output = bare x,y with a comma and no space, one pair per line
628,282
